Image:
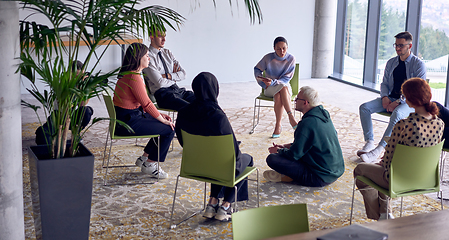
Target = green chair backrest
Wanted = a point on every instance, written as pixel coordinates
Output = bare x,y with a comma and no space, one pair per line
294,82
111,112
210,158
415,169
271,221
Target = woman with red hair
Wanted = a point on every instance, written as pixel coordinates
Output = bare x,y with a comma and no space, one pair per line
412,131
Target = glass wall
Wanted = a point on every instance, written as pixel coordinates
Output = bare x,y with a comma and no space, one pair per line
392,23
365,36
354,42
434,44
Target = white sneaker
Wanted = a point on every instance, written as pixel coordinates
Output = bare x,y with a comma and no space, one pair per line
210,211
139,161
369,145
224,215
383,216
152,169
272,176
373,155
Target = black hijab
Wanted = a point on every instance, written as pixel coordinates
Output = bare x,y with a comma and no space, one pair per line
203,116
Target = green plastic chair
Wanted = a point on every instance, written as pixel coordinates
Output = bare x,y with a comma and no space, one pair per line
112,136
414,171
210,159
294,84
271,221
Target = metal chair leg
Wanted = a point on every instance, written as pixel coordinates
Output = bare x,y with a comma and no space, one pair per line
173,206
254,116
352,203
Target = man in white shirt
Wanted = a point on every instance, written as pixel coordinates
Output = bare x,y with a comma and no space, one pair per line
162,74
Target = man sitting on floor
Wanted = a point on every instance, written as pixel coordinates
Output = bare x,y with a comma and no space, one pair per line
314,159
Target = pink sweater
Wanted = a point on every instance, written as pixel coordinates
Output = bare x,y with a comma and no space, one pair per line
130,93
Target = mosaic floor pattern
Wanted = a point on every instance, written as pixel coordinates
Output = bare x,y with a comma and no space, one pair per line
142,211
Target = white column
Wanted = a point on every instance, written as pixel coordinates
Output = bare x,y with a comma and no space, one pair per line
324,38
11,191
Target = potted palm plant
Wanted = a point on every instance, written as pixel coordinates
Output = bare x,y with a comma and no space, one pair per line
61,172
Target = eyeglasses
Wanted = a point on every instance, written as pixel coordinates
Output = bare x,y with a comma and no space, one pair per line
400,45
297,99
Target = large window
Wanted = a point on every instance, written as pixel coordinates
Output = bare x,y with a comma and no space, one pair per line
365,36
354,46
434,44
392,23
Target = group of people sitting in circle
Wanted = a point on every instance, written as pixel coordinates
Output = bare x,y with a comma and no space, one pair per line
314,158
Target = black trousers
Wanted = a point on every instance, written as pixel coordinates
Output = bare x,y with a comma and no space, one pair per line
173,97
44,132
144,124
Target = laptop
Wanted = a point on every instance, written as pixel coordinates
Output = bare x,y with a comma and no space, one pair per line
354,231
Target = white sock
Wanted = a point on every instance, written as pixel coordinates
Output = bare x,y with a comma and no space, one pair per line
225,208
144,158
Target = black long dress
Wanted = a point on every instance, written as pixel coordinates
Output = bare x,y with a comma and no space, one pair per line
205,117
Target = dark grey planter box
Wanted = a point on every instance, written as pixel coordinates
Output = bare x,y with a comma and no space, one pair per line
61,191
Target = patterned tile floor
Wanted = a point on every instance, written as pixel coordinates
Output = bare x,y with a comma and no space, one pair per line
143,211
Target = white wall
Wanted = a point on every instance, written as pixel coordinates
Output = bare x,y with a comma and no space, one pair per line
229,46
224,42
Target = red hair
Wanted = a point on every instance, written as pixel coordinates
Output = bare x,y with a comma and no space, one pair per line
417,92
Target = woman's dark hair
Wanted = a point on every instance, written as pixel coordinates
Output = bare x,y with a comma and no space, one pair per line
279,39
134,53
77,65
417,92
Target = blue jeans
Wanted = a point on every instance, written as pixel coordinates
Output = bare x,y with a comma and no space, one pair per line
296,170
400,112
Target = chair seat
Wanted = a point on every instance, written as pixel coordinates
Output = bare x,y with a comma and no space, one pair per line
263,97
242,176
133,136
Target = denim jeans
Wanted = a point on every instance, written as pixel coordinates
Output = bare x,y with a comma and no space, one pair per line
400,112
296,170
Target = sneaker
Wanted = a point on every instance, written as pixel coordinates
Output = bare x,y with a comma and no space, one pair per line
369,146
383,216
152,169
224,215
372,156
140,161
210,211
272,176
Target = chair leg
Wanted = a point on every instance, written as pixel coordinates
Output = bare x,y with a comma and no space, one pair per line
158,154
105,179
258,197
172,226
254,116
205,187
442,163
173,206
352,203
105,146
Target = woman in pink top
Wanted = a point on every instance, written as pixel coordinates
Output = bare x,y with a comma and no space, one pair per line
134,107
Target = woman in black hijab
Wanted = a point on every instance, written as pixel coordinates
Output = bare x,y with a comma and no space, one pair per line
205,117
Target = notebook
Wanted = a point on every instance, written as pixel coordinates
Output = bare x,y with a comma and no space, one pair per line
354,231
